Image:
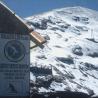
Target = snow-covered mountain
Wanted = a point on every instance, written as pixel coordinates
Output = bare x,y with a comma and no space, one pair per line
71,50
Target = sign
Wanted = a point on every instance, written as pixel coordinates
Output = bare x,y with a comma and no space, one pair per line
14,65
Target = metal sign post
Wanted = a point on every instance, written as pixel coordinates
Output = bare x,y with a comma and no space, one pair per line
14,65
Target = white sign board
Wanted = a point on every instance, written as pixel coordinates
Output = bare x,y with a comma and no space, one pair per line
14,65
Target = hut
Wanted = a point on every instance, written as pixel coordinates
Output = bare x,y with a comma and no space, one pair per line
14,54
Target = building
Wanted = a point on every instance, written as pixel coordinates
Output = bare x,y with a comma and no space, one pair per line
15,38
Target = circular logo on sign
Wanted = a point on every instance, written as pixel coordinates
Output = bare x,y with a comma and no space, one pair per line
14,51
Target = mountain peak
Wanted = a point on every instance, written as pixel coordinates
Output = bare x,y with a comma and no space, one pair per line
71,49
75,10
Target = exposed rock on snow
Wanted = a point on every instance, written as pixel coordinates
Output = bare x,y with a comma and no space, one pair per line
69,50
77,50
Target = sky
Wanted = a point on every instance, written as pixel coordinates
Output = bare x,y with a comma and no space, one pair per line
26,8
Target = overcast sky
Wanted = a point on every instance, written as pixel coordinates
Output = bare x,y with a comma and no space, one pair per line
25,8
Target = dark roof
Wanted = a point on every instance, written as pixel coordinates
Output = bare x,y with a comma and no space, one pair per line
10,22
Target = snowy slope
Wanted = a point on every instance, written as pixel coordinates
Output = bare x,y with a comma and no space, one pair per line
71,49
